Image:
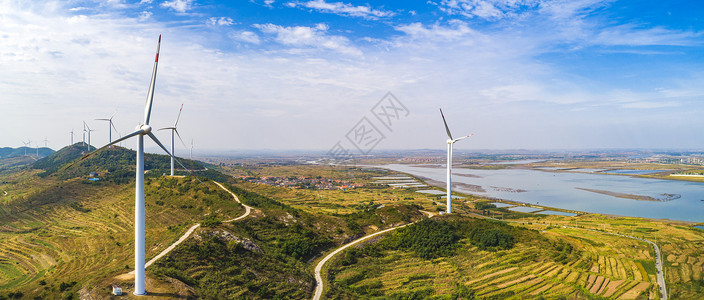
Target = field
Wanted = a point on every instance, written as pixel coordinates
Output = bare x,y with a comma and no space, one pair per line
619,267
58,236
67,238
597,265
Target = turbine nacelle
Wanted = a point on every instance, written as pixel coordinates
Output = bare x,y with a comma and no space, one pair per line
145,129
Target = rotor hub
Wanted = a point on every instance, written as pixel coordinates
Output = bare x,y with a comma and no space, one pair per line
146,129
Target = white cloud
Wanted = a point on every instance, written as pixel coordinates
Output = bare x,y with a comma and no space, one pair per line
303,36
456,30
344,9
220,21
487,9
245,36
180,6
61,67
145,15
630,35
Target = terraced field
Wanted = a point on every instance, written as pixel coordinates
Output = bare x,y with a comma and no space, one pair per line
682,248
74,231
607,267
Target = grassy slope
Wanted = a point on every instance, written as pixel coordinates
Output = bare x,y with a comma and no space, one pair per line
64,231
680,244
289,238
60,232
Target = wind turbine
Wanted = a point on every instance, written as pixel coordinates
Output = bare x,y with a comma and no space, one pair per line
46,142
191,156
173,129
142,130
26,145
86,128
111,126
71,136
450,142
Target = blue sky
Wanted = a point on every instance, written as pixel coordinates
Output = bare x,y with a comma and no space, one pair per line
519,74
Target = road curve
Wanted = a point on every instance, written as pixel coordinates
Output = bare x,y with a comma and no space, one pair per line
319,267
658,259
190,231
658,266
247,209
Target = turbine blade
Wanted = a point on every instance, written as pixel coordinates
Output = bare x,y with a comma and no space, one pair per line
151,135
113,126
103,147
179,137
113,143
446,128
171,128
179,115
464,137
150,93
102,119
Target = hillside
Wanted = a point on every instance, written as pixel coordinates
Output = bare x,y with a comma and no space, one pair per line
12,163
269,255
7,152
116,163
70,231
63,236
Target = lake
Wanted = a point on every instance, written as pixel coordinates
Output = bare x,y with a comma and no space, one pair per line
588,192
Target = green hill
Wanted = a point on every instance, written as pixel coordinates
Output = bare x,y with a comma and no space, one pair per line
115,164
11,163
6,152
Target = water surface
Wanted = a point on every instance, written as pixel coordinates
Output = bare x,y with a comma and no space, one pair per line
567,190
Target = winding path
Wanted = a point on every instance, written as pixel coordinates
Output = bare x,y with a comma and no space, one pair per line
190,231
319,267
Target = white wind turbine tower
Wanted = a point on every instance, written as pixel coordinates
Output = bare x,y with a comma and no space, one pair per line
142,130
174,130
26,145
46,142
111,126
450,142
191,156
87,129
71,136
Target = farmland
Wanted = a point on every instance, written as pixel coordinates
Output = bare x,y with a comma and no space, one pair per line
65,238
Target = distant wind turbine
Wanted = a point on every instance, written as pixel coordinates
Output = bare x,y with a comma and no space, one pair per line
139,228
191,156
450,142
26,145
46,142
71,136
111,126
174,130
87,129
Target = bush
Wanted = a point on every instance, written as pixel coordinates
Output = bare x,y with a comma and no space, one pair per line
428,238
211,221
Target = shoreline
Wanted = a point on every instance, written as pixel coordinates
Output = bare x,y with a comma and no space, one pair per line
439,184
